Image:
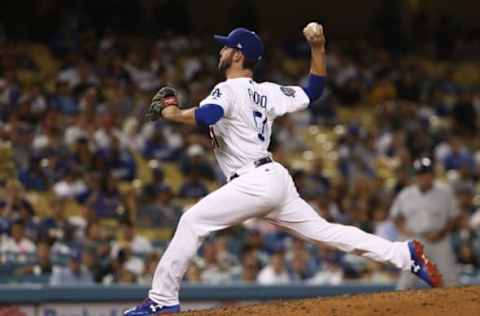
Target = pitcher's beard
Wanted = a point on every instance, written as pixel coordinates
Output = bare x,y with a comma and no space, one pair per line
224,65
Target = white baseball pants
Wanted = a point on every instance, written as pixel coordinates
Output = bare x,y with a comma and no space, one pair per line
269,192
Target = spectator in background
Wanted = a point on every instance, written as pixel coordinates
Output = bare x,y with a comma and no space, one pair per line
428,211
117,160
159,209
81,150
25,213
42,266
63,100
330,271
95,239
193,187
250,265
20,134
150,265
37,100
24,112
254,239
17,247
91,262
34,176
6,211
128,238
78,75
464,241
72,185
57,228
318,176
214,272
224,257
74,274
156,146
465,195
468,260
458,156
196,162
467,238
355,157
119,269
301,265
105,199
275,273
139,71
132,263
96,245
15,207
193,274
158,177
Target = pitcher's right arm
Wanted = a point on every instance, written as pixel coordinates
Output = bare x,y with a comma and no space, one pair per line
315,36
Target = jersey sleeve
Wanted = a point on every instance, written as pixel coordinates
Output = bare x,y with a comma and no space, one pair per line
221,95
287,99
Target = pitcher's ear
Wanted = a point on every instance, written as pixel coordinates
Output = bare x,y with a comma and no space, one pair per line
238,55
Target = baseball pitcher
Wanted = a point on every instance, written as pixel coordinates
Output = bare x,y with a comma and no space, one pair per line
240,113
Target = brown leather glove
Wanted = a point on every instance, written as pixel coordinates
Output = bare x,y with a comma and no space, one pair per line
165,97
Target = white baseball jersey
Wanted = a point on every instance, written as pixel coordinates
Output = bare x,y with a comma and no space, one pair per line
243,134
428,211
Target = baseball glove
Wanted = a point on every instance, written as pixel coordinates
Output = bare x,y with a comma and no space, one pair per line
165,97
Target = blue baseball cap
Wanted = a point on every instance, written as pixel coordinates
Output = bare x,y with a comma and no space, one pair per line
248,42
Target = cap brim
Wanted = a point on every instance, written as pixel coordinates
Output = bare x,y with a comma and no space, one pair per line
221,39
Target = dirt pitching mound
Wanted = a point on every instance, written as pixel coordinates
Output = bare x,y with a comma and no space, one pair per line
453,302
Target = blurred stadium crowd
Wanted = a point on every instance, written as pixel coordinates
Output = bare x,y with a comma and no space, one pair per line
91,194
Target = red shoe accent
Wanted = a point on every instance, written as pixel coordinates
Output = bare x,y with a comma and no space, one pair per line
432,270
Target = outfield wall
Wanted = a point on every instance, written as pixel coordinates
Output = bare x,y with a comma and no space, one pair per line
41,300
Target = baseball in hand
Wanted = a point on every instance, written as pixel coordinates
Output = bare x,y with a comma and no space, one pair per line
314,33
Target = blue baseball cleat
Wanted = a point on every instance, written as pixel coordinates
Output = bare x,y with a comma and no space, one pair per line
150,308
422,267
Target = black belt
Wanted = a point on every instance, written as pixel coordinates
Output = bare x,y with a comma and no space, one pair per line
257,163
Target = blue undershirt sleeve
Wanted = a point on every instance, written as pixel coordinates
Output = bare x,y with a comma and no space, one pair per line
208,114
314,87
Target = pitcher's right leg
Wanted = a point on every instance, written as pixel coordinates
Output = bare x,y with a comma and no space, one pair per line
231,204
252,194
220,209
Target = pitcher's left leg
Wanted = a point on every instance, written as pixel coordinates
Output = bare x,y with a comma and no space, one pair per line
220,209
299,217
